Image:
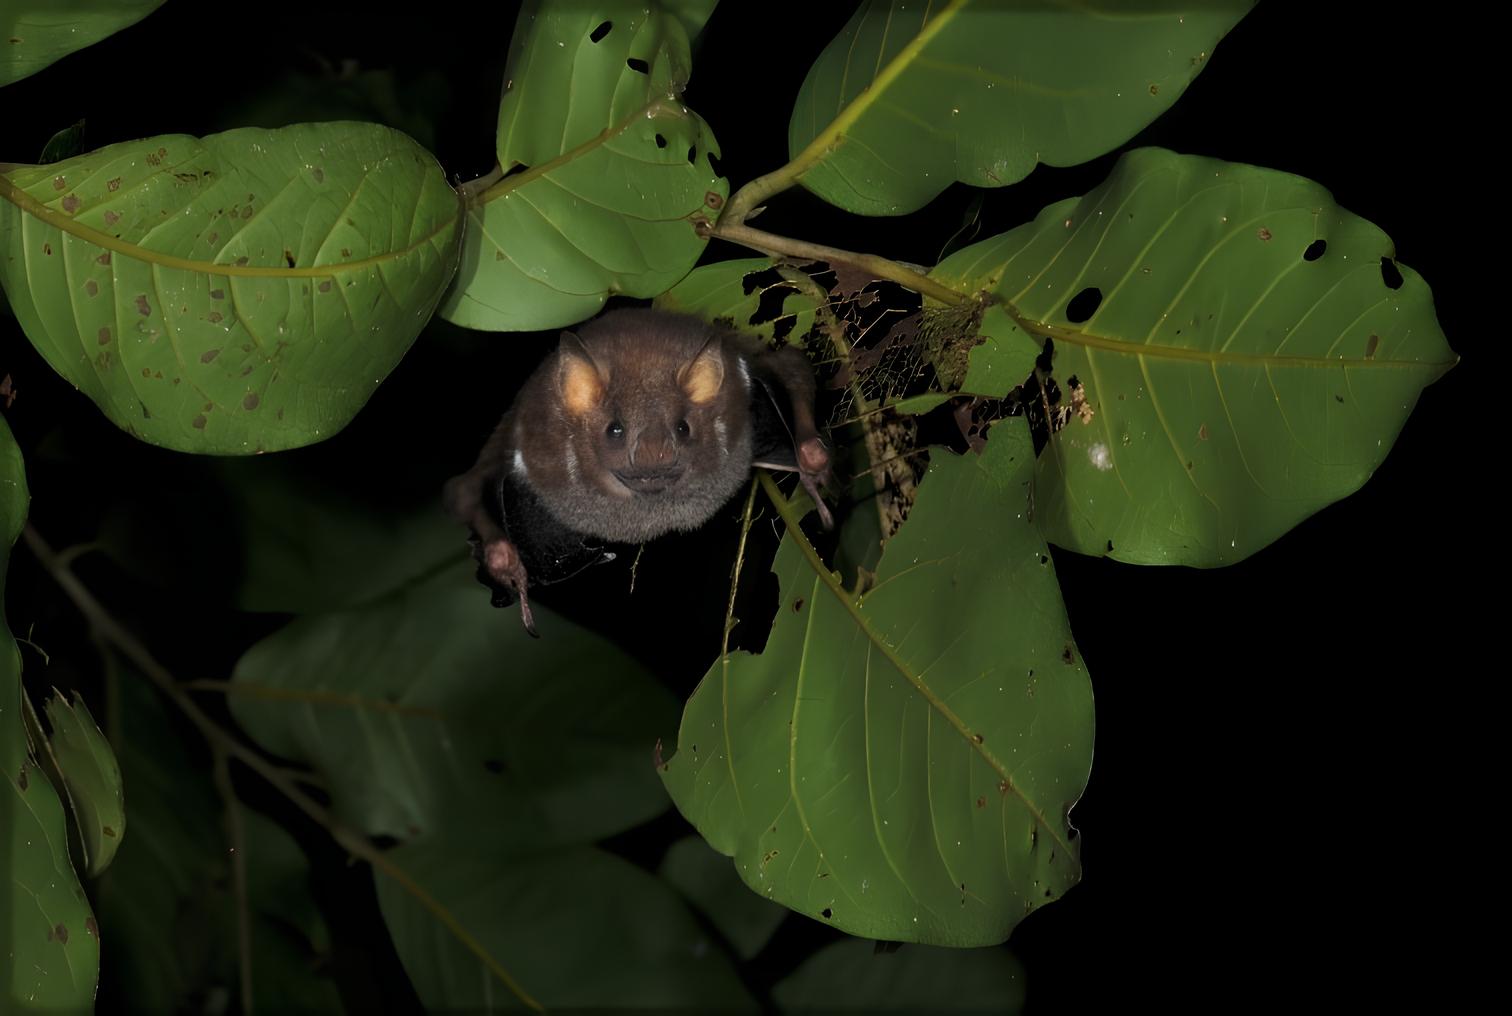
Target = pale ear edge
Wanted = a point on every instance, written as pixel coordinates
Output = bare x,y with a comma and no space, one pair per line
704,350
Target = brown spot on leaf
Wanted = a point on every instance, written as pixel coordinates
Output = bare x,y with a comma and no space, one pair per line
103,259
217,294
107,831
246,370
325,287
977,738
1003,787
113,184
214,317
210,240
209,355
1263,233
1068,654
146,371
92,926
498,255
1371,345
143,307
91,288
288,257
318,174
199,422
21,778
59,933
104,336
59,183
797,604
241,261
1154,88
71,203
982,801
112,217
1202,432
47,248
251,401
713,200
346,252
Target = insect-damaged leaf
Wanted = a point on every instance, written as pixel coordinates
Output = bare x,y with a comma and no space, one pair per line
901,762
49,941
910,97
611,171
1247,352
34,33
244,292
748,293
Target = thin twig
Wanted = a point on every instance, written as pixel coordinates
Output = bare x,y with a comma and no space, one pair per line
107,627
882,268
237,835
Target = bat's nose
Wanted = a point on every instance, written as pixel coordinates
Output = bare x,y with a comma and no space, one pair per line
654,452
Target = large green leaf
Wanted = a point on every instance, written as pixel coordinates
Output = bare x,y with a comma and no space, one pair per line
241,293
34,33
92,777
429,701
49,942
734,291
1255,351
574,929
167,907
911,97
611,171
853,976
901,762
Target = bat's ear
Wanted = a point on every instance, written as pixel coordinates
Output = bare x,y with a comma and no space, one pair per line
579,377
701,376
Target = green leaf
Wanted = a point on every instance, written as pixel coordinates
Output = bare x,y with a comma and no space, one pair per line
241,293
545,921
732,291
911,97
613,171
167,905
1249,361
901,763
64,144
709,882
431,700
34,33
49,942
93,778
852,975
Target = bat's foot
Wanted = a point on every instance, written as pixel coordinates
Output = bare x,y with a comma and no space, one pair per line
504,565
814,472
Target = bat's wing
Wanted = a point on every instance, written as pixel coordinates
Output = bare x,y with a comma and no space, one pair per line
771,426
549,550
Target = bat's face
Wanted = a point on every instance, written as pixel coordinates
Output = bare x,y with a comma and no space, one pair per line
659,432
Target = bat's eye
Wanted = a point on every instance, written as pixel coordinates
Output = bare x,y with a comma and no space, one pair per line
615,430
683,430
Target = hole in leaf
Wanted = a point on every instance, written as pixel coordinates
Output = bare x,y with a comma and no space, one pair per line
661,142
713,161
1390,274
1045,361
1315,250
518,167
692,154
826,913
639,66
597,35
288,258
1083,305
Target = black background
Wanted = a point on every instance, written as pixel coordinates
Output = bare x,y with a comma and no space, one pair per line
1282,800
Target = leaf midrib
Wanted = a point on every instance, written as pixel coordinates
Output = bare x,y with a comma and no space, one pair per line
827,577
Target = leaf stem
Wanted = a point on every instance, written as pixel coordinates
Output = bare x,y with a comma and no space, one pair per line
107,627
221,771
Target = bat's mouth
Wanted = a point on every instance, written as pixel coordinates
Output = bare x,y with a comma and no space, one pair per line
651,483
